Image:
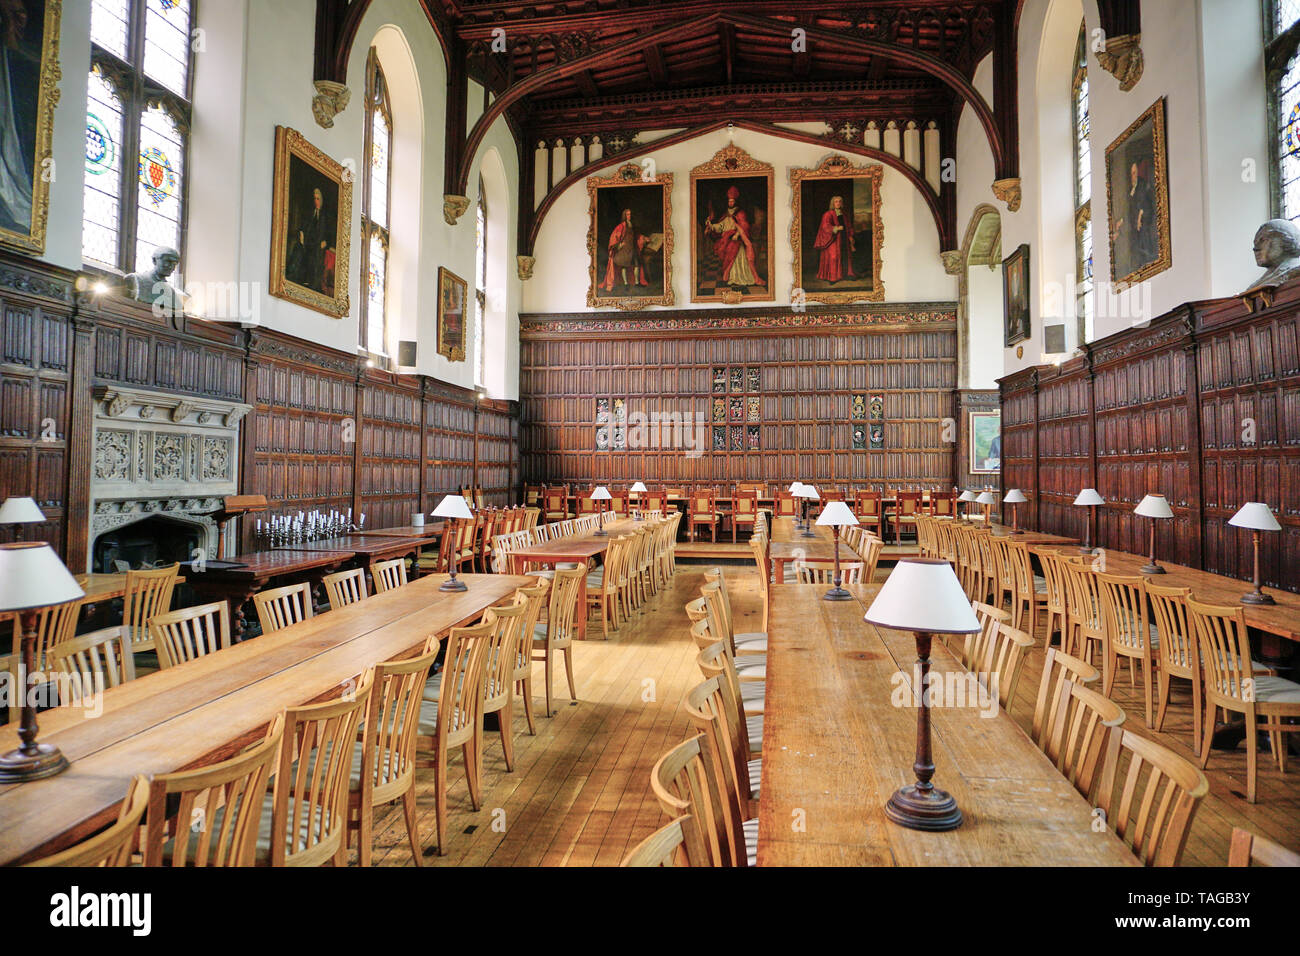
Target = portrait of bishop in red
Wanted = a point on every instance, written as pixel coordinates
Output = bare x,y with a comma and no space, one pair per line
834,244
625,266
734,247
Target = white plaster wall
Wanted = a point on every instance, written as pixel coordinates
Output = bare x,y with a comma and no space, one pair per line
912,269
984,311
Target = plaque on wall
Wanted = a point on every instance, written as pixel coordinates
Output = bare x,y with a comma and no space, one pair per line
876,436
719,437
752,438
719,379
858,407
877,407
859,437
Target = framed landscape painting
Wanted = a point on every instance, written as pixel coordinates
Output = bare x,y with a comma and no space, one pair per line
29,76
630,239
1015,296
835,232
985,443
731,229
1137,199
452,292
311,226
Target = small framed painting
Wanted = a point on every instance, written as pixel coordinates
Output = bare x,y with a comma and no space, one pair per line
719,437
731,229
877,406
754,379
452,291
753,439
985,442
1015,296
1137,199
859,437
719,409
719,378
858,407
876,433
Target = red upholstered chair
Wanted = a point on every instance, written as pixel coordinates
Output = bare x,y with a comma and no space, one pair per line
907,506
702,508
786,507
869,512
744,510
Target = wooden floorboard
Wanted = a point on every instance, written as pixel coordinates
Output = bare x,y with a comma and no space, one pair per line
580,793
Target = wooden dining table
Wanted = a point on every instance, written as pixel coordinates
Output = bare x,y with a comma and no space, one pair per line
209,708
788,544
369,548
835,747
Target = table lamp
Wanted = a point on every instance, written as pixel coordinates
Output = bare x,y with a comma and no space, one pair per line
988,499
836,514
601,494
1014,497
20,511
794,490
32,577
808,493
1256,516
454,509
967,496
1088,498
1154,507
923,595
638,489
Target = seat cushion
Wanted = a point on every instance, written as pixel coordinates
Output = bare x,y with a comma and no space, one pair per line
751,841
751,667
752,694
755,775
306,826
1276,690
750,640
754,727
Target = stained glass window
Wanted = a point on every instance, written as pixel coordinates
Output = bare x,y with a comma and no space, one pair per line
375,202
1083,290
1282,67
480,285
137,122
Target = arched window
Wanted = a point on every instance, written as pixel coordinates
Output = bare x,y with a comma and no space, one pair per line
480,286
375,204
1083,302
137,132
1282,67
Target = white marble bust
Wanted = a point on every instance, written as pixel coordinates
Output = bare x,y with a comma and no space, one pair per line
1277,249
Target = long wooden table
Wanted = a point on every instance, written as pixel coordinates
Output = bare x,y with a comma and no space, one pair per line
789,544
207,709
237,580
835,748
369,549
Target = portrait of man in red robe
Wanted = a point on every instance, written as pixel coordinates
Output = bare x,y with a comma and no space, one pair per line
834,243
733,244
625,265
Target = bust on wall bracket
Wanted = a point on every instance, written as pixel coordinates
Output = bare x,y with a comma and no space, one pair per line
1277,250
524,266
1122,59
330,100
1008,190
453,207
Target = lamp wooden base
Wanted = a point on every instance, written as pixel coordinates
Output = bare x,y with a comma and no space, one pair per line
923,807
19,767
1257,597
837,594
451,584
1151,569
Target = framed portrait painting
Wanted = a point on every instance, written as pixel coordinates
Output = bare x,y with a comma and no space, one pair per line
1137,199
29,77
985,443
731,229
835,232
1015,296
630,239
452,294
311,226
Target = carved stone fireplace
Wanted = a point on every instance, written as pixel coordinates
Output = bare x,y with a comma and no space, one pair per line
162,465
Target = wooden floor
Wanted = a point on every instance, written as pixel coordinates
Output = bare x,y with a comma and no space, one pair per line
580,791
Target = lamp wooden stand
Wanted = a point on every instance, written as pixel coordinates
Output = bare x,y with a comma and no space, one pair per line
1088,498
1153,506
835,514
1256,516
455,510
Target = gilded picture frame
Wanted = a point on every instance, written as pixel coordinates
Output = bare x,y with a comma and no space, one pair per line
829,266
630,239
985,443
1137,186
712,205
453,293
31,68
1017,320
311,226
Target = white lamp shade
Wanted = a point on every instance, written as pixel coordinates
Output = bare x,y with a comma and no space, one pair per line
836,513
639,487
31,575
1256,516
966,495
808,491
1089,496
794,488
923,594
20,511
452,506
1015,497
986,498
600,494
1154,506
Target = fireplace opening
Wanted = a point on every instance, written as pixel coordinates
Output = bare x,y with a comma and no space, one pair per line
154,542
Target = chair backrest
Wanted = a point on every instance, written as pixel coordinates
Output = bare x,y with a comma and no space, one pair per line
977,647
1004,663
460,700
1246,848
555,501
708,714
618,502
310,797
1079,734
1054,575
1224,649
92,662
532,495
562,611
280,607
1158,795
191,632
586,505
909,502
391,721
745,504
662,848
1179,651
687,782
530,517
653,501
388,574
820,571
703,504
502,652
943,504
1058,667
1124,601
210,816
535,595
114,846
869,549
54,625
785,505
1084,600
867,505
147,593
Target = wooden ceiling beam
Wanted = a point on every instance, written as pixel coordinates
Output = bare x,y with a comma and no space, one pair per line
586,84
655,65
727,36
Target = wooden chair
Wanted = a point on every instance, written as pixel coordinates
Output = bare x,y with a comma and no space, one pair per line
532,496
454,719
606,586
279,607
308,819
869,550
1128,633
823,571
718,600
388,575
191,632
688,783
1029,595
750,693
1159,793
702,509
384,758
907,505
1078,734
1005,660
706,711
1246,848
555,504
977,647
90,663
1057,587
499,669
536,597
943,504
661,848
1002,592
556,635
147,593
744,510
785,505
1058,667
653,501
988,569
618,503
211,816
587,506
714,701
530,518
115,845
1266,702
54,625
1086,623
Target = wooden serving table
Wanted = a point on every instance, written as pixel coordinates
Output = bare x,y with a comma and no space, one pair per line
236,581
369,549
835,748
207,709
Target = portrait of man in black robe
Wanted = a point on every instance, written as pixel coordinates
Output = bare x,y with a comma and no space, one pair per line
313,202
